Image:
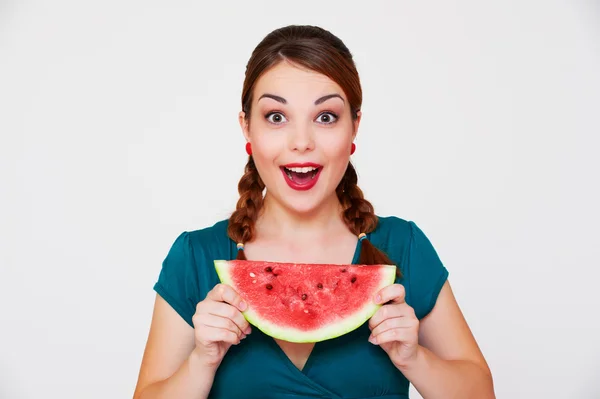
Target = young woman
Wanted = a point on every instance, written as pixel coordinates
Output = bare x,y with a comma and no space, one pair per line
299,202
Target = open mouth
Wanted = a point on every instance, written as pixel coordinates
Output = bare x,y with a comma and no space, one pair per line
301,176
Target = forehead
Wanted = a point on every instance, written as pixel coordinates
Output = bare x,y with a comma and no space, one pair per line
295,82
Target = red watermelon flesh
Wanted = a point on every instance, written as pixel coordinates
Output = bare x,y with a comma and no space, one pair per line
306,302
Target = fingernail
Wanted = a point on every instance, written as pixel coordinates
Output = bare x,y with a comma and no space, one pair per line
373,340
247,331
243,336
378,298
243,306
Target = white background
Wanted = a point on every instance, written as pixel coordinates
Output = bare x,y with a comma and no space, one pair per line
118,130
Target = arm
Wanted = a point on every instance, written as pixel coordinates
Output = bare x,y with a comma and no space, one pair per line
449,363
170,367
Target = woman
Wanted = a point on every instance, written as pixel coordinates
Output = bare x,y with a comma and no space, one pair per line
300,114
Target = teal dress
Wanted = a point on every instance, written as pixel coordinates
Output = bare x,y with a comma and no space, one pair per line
344,367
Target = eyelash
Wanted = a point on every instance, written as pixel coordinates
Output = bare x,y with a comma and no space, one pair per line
335,116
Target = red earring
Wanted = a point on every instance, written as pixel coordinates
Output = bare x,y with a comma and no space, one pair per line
249,148
353,149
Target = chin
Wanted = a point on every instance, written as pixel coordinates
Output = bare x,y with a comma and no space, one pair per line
303,206
300,202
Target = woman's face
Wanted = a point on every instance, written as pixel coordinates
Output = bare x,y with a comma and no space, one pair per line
301,132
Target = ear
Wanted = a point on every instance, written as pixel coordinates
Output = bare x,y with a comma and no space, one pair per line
244,125
356,124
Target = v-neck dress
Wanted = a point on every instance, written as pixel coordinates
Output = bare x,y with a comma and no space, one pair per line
345,367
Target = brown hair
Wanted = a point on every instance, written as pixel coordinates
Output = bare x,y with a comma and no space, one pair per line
321,51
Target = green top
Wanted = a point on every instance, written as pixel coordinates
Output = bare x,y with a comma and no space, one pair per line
344,367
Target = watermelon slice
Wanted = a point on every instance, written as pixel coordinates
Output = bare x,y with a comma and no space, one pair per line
306,302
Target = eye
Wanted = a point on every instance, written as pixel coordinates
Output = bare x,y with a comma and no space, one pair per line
275,117
327,118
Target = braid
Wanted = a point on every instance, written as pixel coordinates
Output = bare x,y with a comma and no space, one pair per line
360,217
358,212
241,222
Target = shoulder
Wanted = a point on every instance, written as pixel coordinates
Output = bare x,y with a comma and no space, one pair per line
202,242
393,226
197,249
392,235
393,232
215,231
208,239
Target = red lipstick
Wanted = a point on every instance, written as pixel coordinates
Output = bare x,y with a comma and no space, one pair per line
302,165
301,176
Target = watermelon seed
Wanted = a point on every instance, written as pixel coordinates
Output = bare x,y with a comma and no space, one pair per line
353,279
269,287
305,310
304,296
268,269
343,270
252,275
319,285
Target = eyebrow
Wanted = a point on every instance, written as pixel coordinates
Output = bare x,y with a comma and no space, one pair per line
317,101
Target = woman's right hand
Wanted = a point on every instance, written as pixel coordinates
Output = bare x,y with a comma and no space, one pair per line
218,324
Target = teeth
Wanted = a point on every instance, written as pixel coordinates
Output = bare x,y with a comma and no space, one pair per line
305,169
288,173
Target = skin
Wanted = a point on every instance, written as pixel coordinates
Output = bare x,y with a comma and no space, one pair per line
437,354
300,131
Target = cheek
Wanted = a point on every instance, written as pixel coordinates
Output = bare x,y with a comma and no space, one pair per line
337,147
337,153
266,148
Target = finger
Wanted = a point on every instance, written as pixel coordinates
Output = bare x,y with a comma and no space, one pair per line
227,311
221,309
208,335
224,293
405,335
390,311
394,293
396,322
223,323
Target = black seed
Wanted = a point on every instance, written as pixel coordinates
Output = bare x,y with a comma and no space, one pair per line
268,269
343,270
304,296
319,285
269,287
353,279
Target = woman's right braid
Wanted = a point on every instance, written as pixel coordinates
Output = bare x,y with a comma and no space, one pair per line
241,222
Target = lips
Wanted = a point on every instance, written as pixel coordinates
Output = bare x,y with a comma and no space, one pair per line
301,176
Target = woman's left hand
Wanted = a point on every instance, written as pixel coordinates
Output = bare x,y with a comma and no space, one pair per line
394,327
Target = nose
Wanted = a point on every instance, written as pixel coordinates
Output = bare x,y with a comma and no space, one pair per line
302,138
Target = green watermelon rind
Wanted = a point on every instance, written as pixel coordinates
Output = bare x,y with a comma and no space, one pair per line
333,330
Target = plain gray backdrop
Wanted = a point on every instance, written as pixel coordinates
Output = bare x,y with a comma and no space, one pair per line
118,131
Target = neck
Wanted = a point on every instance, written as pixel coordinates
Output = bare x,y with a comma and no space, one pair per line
276,219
